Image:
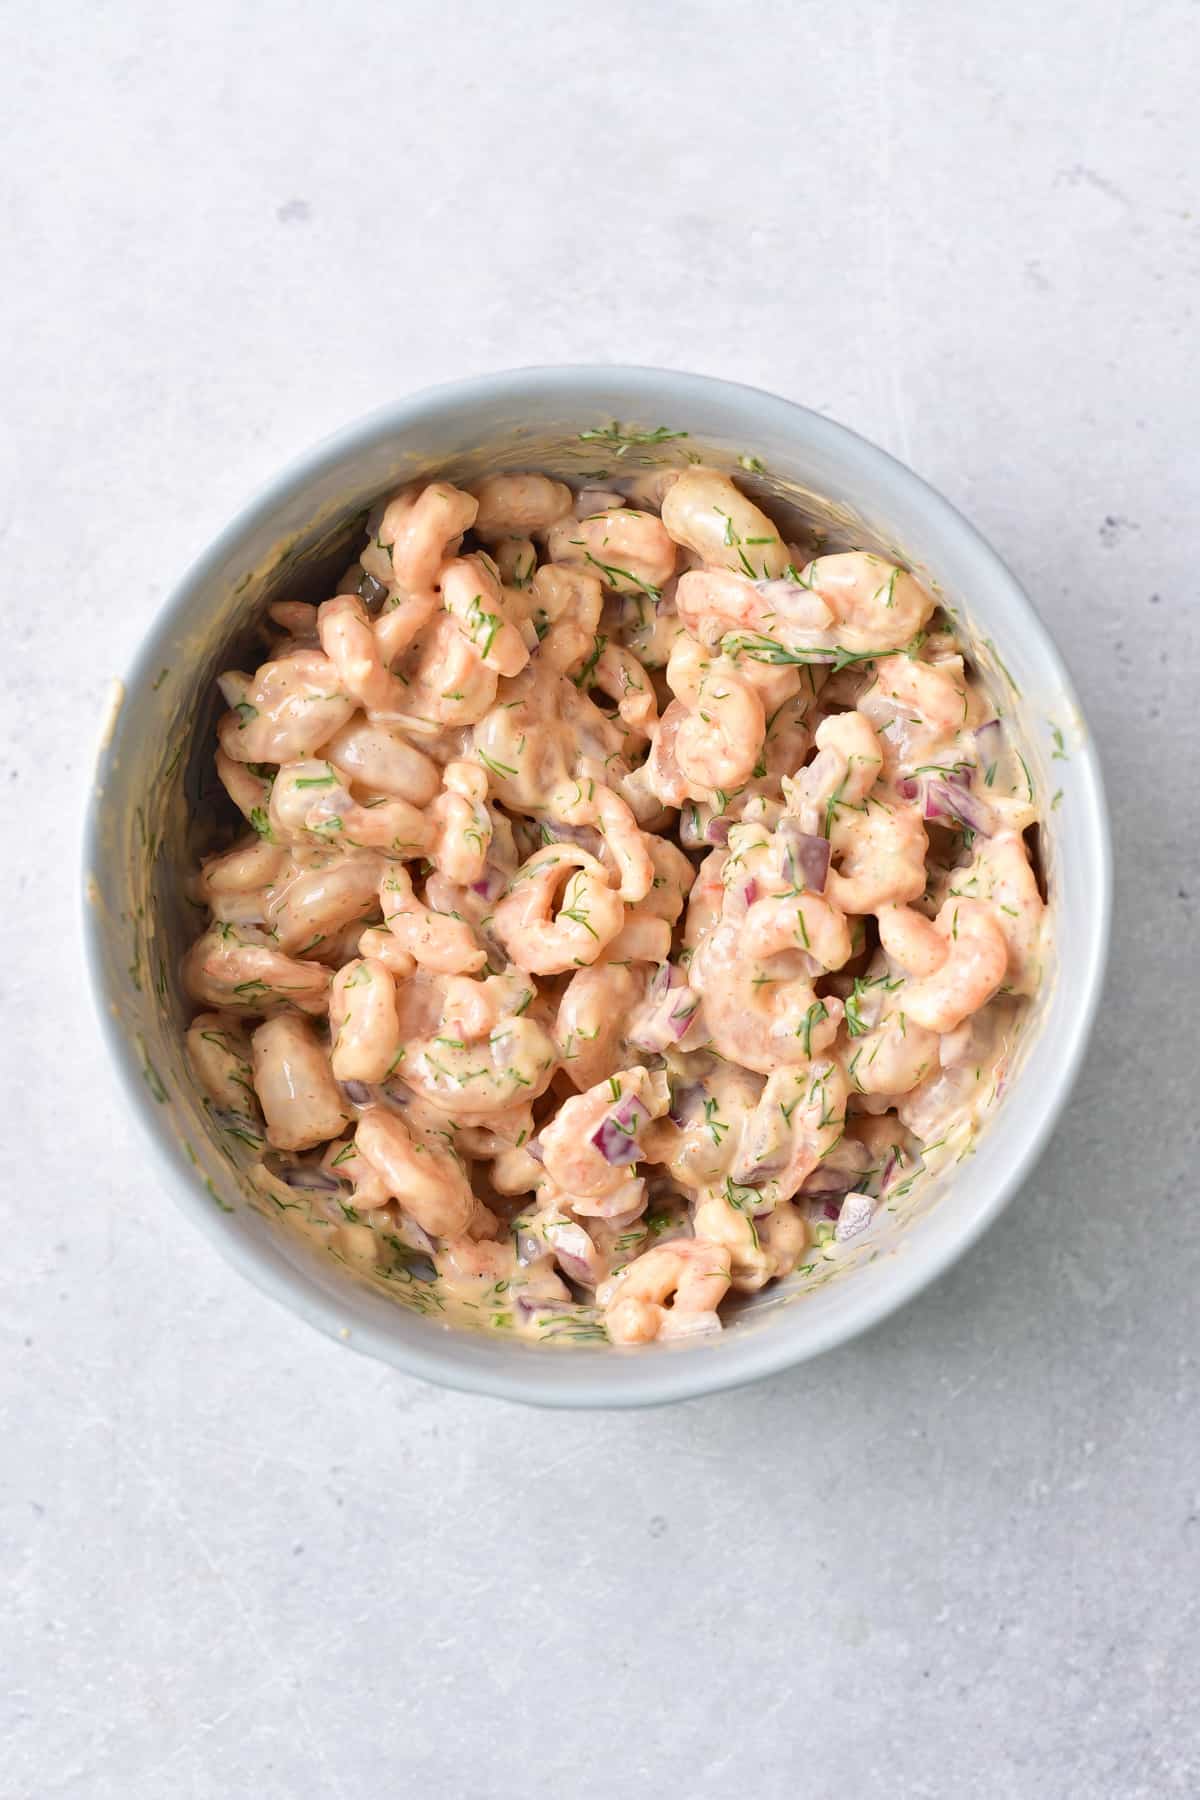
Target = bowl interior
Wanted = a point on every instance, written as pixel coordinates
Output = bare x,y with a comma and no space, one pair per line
156,786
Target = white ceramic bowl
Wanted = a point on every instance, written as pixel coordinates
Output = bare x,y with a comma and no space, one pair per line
298,532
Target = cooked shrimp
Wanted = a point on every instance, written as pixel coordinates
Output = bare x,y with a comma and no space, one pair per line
559,912
566,605
591,1145
518,505
462,824
708,515
362,1018
797,922
428,1182
381,757
289,709
423,527
715,603
437,941
223,970
629,551
295,1085
974,967
876,605
349,641
310,904
472,595
219,1053
590,1020
878,855
695,1273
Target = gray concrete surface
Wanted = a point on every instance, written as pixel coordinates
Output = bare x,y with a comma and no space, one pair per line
956,1559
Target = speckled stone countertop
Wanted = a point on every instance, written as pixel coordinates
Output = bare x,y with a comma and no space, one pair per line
958,1558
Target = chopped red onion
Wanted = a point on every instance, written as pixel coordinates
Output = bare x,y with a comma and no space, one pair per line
717,831
529,1248
616,1135
806,857
950,799
667,1015
357,1092
491,883
305,1176
416,1236
854,1217
688,1324
683,1102
750,892
989,741
575,1251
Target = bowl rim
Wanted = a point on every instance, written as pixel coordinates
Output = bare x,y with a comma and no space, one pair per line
612,1379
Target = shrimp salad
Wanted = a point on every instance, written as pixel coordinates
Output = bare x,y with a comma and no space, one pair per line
630,903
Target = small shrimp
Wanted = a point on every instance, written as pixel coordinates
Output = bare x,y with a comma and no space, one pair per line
708,515
892,1057
428,1182
472,595
591,1145
797,1122
343,1162
381,758
438,942
520,505
445,682
462,834
310,904
935,692
910,939
424,526
349,641
797,922
589,912
876,605
362,1018
695,1272
760,1014
1002,875
402,618
719,1220
240,874
308,801
249,791
878,855
630,551
975,965
714,603
620,675
718,740
295,1085
642,938
223,970
286,711
476,1081
516,560
843,773
590,1021
378,943
566,607
220,1055
590,802
297,617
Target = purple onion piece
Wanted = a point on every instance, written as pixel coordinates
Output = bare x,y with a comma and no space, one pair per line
683,1102
371,590
809,855
853,1217
529,1248
616,1135
717,831
989,742
950,799
686,1005
750,892
306,1177
357,1092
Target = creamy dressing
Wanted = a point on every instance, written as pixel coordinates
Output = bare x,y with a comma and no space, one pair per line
630,908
